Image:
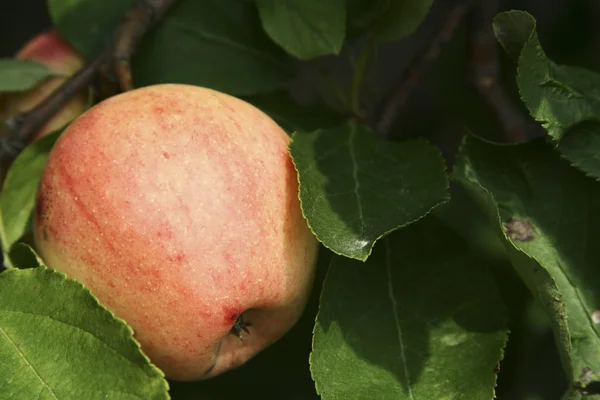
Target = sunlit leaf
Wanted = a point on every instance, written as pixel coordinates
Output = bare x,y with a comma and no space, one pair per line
57,342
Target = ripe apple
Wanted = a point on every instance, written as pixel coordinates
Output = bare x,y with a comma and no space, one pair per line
51,50
178,207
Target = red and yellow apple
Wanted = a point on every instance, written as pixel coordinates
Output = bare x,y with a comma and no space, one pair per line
50,50
178,207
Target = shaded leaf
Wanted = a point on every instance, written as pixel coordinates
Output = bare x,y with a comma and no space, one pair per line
559,263
421,319
305,28
582,148
559,97
57,342
537,279
578,394
17,198
513,29
214,43
563,99
21,75
86,24
463,216
23,256
401,19
291,116
362,13
355,187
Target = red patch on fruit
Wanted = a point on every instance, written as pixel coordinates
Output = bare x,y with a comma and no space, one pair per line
177,258
166,233
70,185
228,257
166,155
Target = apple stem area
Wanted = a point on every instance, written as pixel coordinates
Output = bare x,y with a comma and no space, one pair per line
239,326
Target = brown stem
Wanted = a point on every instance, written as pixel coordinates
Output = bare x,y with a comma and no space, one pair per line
484,73
420,64
22,127
137,22
25,125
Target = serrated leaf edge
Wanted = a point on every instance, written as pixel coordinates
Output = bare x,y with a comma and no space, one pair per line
312,343
123,325
469,181
445,199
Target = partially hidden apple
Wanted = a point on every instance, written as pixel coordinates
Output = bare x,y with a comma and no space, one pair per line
177,206
52,51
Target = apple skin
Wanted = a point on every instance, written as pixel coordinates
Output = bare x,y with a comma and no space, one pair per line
177,206
48,49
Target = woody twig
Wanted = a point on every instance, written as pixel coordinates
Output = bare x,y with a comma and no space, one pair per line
116,56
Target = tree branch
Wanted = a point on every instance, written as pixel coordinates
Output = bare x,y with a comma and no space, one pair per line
484,74
21,129
138,20
420,64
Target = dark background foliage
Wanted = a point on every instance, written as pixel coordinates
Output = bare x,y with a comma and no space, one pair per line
531,370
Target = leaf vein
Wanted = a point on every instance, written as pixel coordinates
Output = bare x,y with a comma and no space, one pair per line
44,384
355,176
396,318
76,328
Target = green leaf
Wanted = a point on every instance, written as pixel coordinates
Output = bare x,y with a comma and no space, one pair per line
549,215
462,214
21,75
305,28
421,319
57,342
401,19
23,256
86,24
291,116
578,394
582,148
355,187
537,279
559,97
214,43
563,99
513,29
17,198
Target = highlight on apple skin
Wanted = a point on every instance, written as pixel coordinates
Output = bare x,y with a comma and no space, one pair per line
51,50
177,206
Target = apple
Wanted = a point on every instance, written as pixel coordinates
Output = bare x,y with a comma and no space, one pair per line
48,49
177,206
